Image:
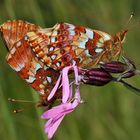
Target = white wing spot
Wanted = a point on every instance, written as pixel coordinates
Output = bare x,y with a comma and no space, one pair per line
73,62
13,50
89,33
83,43
18,43
21,65
53,56
31,79
17,69
58,64
98,50
51,48
25,38
72,32
52,39
31,44
87,53
38,66
49,79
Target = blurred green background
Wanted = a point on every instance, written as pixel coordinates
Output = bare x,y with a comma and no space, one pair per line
111,112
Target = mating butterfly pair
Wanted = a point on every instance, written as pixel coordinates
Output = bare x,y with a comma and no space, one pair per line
39,54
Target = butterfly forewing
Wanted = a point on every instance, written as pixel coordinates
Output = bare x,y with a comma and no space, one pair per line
12,31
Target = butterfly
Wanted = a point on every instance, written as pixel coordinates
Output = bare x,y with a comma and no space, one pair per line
39,54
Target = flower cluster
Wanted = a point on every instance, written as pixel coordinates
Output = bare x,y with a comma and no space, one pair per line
96,76
69,100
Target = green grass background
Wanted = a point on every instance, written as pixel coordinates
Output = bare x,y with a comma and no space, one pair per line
110,112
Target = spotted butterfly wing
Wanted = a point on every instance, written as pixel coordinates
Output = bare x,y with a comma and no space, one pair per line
66,44
21,58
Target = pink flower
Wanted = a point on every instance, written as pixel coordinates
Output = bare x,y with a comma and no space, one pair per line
68,104
95,76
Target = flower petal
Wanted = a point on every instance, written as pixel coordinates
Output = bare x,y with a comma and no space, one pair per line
51,128
54,89
48,125
76,74
53,123
77,97
65,84
55,111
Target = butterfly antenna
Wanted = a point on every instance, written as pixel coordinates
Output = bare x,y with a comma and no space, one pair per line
20,101
127,27
17,110
128,21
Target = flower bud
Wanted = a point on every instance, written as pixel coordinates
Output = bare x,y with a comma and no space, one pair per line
114,67
97,77
128,74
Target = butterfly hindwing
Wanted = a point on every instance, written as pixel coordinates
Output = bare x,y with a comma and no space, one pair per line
35,73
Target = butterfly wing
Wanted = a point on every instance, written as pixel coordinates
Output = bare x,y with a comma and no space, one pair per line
66,44
36,74
21,58
14,30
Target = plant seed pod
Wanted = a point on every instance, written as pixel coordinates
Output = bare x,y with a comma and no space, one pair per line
97,77
128,74
114,67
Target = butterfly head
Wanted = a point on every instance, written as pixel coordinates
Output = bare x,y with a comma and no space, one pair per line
119,37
